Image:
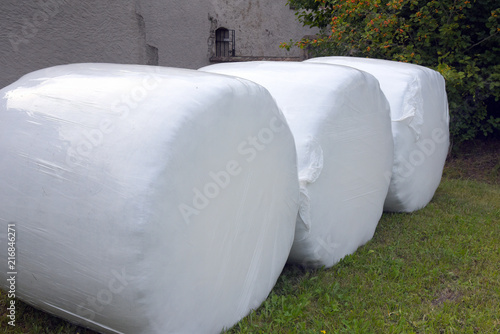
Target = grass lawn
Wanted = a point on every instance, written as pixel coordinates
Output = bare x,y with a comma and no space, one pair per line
436,270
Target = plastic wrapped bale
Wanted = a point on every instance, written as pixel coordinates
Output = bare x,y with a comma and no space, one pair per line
419,112
341,124
145,199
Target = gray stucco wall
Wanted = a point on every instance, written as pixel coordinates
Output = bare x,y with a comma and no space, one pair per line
260,26
43,33
38,34
179,29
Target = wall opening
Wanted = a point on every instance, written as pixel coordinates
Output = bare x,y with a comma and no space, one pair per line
224,43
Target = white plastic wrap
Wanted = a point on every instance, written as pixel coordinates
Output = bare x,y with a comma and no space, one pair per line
419,112
145,199
342,129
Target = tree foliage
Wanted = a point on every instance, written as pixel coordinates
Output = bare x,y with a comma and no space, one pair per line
458,38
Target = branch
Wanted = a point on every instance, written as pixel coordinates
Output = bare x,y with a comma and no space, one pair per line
484,39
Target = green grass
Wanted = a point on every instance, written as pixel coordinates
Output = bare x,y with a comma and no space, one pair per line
433,271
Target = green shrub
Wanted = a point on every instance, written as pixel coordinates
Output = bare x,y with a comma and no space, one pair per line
458,38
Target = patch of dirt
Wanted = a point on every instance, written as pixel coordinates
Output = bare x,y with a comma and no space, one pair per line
446,295
478,160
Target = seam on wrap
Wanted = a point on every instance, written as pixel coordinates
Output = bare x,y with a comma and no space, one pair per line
412,102
307,175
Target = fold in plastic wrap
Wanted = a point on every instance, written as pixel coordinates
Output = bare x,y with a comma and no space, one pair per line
419,112
145,199
342,129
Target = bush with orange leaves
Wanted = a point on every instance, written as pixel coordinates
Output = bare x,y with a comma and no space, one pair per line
458,38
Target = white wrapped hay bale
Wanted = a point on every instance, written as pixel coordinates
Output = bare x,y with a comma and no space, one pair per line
341,124
419,112
145,199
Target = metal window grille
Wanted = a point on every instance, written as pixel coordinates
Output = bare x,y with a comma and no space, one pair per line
224,43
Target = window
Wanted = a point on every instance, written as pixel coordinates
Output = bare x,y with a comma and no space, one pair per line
224,43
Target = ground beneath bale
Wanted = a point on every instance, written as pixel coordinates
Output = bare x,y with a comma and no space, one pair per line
477,160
